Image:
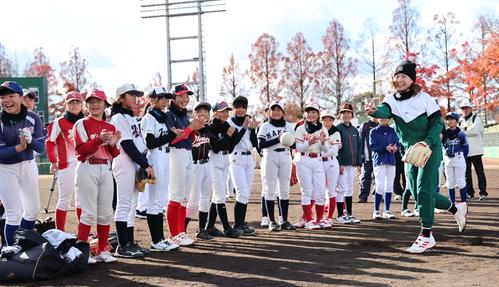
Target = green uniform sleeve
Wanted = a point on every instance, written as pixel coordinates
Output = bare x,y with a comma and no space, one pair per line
435,128
383,111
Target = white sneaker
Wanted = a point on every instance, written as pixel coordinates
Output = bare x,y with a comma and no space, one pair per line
273,227
397,197
343,220
406,213
163,246
91,259
182,239
300,223
106,257
422,244
438,211
353,219
376,215
311,225
460,215
416,212
326,223
265,221
388,215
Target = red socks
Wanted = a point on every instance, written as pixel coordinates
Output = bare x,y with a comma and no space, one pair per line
172,217
307,212
332,207
83,231
78,213
60,219
319,210
103,235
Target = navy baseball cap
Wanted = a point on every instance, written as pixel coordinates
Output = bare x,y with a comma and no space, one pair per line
202,104
452,115
240,101
10,87
160,92
182,89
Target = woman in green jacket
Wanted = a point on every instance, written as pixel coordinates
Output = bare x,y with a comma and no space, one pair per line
418,121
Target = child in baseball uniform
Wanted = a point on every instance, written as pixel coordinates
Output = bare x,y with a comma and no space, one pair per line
125,166
62,155
350,160
331,165
21,134
222,142
384,144
265,218
311,140
456,150
180,164
242,164
95,144
202,190
157,136
418,123
276,165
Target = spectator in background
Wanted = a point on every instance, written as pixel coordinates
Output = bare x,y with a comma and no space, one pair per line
471,124
366,176
30,99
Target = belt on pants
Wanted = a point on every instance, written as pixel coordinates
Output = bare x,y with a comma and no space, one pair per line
201,161
223,152
96,161
281,149
242,152
310,154
166,149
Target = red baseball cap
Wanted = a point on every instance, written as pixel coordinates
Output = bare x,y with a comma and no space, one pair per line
182,89
73,96
96,93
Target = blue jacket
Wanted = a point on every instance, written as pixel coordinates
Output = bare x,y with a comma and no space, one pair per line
379,138
455,141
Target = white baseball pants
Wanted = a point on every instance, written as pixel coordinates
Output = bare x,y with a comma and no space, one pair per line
181,175
201,191
66,183
242,170
345,183
219,164
312,179
157,194
276,169
384,175
332,170
124,171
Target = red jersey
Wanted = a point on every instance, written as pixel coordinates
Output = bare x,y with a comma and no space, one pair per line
87,142
60,139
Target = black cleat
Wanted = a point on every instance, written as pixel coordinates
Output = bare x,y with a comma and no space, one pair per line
233,232
286,225
203,235
215,232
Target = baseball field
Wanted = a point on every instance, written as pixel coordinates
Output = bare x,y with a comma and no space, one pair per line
367,254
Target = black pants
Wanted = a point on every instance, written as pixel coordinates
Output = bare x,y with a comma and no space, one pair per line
366,178
398,188
477,163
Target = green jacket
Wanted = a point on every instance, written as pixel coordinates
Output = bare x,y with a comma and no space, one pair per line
351,146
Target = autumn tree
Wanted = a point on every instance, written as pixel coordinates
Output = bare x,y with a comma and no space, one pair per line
6,67
264,67
74,69
336,67
441,36
404,28
40,67
371,60
300,70
232,80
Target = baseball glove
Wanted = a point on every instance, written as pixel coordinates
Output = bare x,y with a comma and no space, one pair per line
141,180
417,154
294,179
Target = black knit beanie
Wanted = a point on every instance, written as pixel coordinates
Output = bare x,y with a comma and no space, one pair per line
407,68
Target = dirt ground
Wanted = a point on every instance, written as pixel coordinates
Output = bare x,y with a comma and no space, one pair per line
367,254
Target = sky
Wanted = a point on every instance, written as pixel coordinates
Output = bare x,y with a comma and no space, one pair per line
121,47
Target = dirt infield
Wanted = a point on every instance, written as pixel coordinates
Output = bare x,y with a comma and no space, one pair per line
368,254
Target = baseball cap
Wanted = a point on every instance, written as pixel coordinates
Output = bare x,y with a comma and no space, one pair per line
312,105
466,104
276,104
327,113
452,115
160,92
9,87
240,101
221,106
182,89
73,96
128,88
346,107
96,93
203,104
